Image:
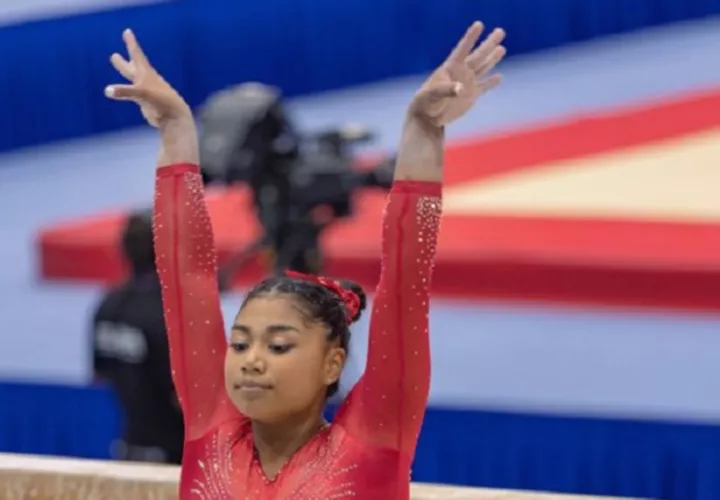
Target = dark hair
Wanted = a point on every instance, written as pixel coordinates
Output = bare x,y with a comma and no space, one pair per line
318,303
137,242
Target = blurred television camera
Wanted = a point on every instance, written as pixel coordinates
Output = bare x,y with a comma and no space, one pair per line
300,183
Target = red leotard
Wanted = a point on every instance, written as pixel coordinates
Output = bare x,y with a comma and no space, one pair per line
367,451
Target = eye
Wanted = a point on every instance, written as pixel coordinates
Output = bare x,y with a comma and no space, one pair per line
277,348
238,346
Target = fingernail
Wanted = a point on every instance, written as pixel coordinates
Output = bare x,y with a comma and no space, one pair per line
458,88
109,91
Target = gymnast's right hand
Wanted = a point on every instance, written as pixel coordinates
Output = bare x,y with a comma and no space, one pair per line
158,101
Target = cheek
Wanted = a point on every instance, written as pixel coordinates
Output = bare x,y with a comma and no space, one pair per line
232,365
301,369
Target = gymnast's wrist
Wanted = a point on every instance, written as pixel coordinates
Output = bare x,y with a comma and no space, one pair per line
179,141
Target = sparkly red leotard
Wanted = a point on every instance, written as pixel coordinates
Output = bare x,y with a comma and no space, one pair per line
367,451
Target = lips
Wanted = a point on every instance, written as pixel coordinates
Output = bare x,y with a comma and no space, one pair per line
252,385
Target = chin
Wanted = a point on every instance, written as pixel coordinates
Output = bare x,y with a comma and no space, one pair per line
256,410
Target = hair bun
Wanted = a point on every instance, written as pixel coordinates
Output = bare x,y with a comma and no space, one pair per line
357,290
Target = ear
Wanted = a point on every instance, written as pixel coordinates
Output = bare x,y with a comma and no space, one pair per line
334,364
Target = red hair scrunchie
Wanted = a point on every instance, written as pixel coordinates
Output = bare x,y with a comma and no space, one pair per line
349,298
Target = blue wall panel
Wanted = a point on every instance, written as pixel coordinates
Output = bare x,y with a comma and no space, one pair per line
53,71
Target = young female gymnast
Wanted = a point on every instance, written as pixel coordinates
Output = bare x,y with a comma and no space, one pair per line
255,428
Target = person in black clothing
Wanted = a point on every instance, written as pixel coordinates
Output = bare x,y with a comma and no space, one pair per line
130,352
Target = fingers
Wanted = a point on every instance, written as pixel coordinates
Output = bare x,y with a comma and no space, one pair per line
490,62
125,92
443,90
489,83
439,93
128,69
466,43
124,67
134,50
485,49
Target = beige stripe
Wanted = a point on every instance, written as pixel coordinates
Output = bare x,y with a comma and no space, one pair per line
675,180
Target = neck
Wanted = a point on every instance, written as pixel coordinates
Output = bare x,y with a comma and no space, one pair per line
276,443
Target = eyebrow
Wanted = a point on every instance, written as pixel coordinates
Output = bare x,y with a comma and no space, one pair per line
270,329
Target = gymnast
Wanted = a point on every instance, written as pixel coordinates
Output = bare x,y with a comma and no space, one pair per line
253,406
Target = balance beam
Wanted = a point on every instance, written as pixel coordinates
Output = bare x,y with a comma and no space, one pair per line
26,477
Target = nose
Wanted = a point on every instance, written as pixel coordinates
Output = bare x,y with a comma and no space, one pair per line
253,362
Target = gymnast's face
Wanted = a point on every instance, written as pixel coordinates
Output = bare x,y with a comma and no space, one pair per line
279,362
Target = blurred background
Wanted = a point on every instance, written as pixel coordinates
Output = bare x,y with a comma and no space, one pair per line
575,326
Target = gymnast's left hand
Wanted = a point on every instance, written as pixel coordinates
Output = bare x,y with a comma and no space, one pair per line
455,86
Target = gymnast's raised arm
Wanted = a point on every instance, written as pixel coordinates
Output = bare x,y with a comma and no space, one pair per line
184,246
387,405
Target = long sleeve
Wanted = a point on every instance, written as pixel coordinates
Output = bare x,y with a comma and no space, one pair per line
187,266
387,405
